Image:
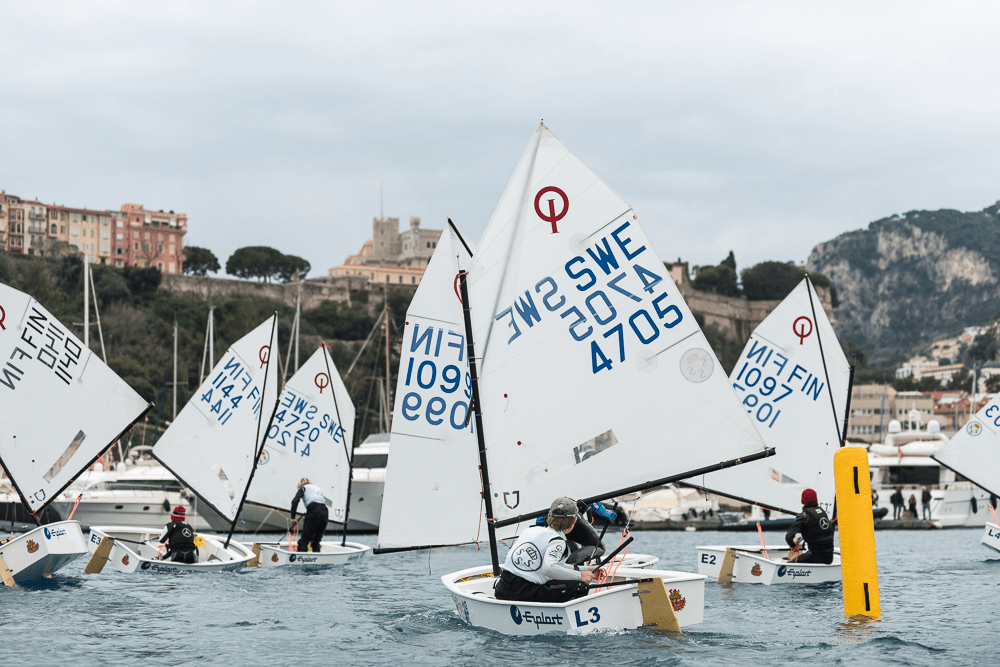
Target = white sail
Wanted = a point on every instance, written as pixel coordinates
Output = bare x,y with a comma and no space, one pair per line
210,446
433,464
60,405
974,452
595,375
310,436
796,402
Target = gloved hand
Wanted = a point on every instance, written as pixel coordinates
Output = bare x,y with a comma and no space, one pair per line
599,508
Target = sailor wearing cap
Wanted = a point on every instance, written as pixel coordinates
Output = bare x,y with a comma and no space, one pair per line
815,528
179,538
535,569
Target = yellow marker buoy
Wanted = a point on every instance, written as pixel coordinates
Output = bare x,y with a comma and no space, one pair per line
859,568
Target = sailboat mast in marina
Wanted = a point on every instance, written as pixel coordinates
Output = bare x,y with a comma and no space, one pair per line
62,408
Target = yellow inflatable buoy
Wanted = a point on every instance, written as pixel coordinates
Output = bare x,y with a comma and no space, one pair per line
859,567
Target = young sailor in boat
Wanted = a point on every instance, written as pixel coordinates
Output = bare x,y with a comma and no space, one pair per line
179,538
535,569
584,543
813,527
316,516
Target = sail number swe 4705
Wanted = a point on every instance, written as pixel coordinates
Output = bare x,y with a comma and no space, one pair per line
615,258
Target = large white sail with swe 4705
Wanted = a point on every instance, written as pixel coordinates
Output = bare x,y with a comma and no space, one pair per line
433,467
210,447
308,439
60,405
793,380
595,376
974,452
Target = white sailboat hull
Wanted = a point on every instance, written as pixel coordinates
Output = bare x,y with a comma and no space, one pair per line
751,567
139,552
616,608
273,554
44,550
991,536
105,509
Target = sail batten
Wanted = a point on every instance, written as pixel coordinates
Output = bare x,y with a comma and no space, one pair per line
588,341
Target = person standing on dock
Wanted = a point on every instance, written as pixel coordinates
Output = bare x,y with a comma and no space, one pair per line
535,568
316,516
913,506
813,527
897,504
178,535
925,498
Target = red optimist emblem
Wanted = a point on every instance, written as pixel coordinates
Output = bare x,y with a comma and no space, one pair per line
802,327
552,217
263,354
322,381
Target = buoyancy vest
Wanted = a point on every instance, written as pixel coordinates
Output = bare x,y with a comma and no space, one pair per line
818,532
525,558
179,537
313,494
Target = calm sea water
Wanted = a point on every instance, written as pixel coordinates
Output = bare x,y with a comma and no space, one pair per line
939,601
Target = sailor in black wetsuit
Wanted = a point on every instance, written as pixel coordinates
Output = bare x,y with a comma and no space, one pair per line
316,517
179,537
816,530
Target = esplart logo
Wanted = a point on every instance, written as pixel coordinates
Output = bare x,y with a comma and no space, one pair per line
538,619
32,546
974,428
295,558
54,532
793,572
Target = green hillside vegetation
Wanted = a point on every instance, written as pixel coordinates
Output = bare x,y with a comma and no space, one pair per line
137,322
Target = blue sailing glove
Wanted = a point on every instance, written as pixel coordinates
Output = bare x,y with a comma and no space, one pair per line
540,521
599,508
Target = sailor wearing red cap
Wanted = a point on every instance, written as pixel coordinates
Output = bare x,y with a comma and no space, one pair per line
815,528
179,538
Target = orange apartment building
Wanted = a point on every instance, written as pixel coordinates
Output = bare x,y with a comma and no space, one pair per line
132,236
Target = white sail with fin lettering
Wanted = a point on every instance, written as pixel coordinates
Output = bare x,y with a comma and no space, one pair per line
310,436
595,376
433,463
793,379
60,406
211,444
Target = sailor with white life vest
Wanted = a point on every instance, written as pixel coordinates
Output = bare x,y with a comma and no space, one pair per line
535,569
814,528
178,535
316,516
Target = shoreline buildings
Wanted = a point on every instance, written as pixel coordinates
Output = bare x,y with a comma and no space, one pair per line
390,256
131,236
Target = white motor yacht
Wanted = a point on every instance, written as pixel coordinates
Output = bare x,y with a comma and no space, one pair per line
904,461
136,495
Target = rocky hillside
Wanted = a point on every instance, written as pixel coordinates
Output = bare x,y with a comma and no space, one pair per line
909,279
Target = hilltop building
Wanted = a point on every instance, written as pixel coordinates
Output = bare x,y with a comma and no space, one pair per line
132,236
391,256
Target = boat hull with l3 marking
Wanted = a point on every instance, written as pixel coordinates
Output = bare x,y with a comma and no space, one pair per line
136,550
40,552
751,567
620,607
991,536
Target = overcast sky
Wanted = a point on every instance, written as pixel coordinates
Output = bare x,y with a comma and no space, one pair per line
763,128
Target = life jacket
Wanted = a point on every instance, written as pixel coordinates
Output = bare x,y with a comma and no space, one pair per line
312,494
180,536
525,558
818,533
